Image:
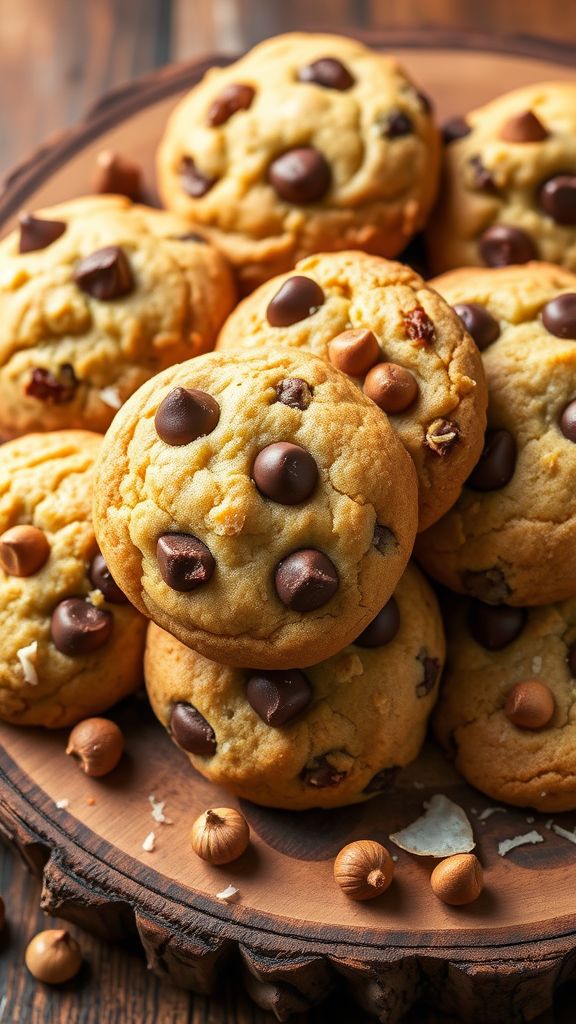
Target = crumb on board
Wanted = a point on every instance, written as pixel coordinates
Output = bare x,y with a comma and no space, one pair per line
157,810
228,894
529,838
149,843
62,804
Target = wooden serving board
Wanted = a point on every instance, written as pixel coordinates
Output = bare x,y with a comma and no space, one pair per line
292,933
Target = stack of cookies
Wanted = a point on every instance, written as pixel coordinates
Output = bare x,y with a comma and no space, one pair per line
269,469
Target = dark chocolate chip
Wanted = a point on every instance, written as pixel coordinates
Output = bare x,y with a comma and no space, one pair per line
78,627
494,627
502,245
384,539
441,436
298,298
496,465
479,323
105,274
320,774
327,72
481,175
306,580
38,233
117,175
285,472
487,585
234,97
101,578
524,127
186,414
454,129
558,198
184,561
431,670
383,628
300,175
194,183
278,696
395,125
568,421
59,390
559,316
419,326
191,730
572,660
295,392
383,781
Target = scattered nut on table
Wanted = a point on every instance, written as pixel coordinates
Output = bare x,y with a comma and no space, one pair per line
458,880
53,956
220,835
97,744
363,869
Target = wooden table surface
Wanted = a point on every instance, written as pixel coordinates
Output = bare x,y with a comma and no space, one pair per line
57,57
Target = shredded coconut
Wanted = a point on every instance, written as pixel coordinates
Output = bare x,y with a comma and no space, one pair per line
530,821
110,396
510,844
549,823
489,811
565,833
27,657
537,665
158,810
62,804
149,843
227,894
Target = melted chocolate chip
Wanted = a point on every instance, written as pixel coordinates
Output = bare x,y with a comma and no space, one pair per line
488,585
38,233
502,245
384,539
101,578
419,326
496,465
194,183
395,125
524,127
191,730
234,97
300,176
383,781
454,129
295,392
320,774
441,436
559,316
479,323
495,627
568,421
298,298
184,561
481,175
185,415
558,198
278,696
285,472
78,627
431,672
105,274
328,72
383,628
306,580
119,176
59,390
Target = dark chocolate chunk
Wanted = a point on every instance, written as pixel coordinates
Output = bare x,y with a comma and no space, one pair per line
558,198
278,696
295,392
300,175
441,436
194,183
186,414
383,781
494,627
568,421
496,465
306,580
59,390
118,175
78,627
559,316
395,124
191,730
327,72
481,175
431,673
234,97
479,323
320,774
384,539
419,326
38,233
524,127
383,628
184,561
105,274
298,298
502,245
454,129
285,472
101,578
487,585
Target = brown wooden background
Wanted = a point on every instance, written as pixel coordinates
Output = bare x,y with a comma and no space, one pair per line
57,57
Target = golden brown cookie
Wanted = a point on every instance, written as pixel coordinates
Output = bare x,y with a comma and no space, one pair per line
258,507
308,143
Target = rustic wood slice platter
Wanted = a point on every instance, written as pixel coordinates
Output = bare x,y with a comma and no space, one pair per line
293,934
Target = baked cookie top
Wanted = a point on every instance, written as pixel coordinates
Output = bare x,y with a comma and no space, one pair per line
308,143
509,184
511,537
394,336
332,734
258,507
70,644
97,295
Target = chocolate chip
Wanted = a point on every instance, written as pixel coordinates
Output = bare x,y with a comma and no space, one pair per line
184,561
431,670
383,628
298,298
391,387
38,233
278,696
327,72
482,177
559,316
384,539
24,549
441,436
285,472
118,175
354,351
488,585
101,578
558,198
479,323
295,392
502,245
185,415
495,627
234,97
194,183
568,421
306,580
524,127
419,326
191,730
395,125
497,463
572,660
454,129
78,627
59,390
105,274
383,781
320,774
300,175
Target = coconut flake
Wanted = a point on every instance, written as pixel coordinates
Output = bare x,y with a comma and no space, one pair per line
27,657
111,396
158,810
149,843
529,838
444,829
536,665
565,833
549,823
227,894
489,811
62,804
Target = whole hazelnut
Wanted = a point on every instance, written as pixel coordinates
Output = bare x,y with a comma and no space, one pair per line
530,705
220,835
363,869
23,550
97,743
458,880
53,956
354,351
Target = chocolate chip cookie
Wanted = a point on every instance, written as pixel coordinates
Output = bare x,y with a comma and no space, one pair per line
258,507
511,537
309,143
96,296
333,734
70,644
507,707
379,323
509,184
